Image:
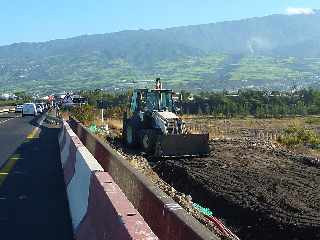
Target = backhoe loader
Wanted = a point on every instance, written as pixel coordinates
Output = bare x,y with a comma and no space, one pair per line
152,124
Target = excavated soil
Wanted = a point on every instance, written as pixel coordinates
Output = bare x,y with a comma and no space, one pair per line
262,191
145,165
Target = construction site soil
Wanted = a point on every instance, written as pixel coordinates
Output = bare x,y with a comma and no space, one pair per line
260,190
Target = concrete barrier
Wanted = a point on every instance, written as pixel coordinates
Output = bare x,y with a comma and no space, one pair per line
166,218
98,208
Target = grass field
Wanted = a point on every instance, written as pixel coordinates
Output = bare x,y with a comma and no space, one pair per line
268,69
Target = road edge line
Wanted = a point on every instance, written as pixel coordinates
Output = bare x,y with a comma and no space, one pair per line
12,160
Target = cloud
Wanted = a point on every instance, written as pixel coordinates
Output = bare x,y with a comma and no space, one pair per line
297,11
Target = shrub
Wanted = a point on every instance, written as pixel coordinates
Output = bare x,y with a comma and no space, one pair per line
295,136
312,120
84,113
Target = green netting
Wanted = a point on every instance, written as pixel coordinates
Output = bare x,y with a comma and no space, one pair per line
203,210
93,128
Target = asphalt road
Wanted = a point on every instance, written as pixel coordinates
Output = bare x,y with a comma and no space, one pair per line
13,131
33,202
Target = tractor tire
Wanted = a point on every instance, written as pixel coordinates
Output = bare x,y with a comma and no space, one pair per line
148,142
130,135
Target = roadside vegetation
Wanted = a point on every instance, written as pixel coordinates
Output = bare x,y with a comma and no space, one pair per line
113,103
22,97
260,104
225,105
8,103
294,136
85,114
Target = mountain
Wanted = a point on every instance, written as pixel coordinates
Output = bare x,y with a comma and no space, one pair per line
218,55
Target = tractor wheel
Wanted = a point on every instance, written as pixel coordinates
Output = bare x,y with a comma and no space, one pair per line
130,135
148,142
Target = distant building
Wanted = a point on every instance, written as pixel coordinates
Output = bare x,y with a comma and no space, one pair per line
4,96
8,96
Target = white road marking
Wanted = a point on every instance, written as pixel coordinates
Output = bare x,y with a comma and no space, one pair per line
173,206
3,121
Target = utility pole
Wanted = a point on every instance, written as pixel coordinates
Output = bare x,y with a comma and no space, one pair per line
102,116
102,119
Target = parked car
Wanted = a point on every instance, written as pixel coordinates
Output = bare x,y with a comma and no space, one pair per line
39,108
19,108
29,109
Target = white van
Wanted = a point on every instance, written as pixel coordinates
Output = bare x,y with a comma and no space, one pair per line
29,109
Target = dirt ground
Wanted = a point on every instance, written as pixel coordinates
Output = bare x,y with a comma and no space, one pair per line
145,164
262,191
244,127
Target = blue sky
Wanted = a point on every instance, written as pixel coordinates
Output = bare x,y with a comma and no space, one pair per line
41,20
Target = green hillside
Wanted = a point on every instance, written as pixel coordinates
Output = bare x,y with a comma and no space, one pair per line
192,73
268,69
273,52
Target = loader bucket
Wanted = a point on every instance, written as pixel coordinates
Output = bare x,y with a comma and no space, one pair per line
182,145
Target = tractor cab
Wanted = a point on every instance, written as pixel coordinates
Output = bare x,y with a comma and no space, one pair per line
160,100
144,100
138,100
